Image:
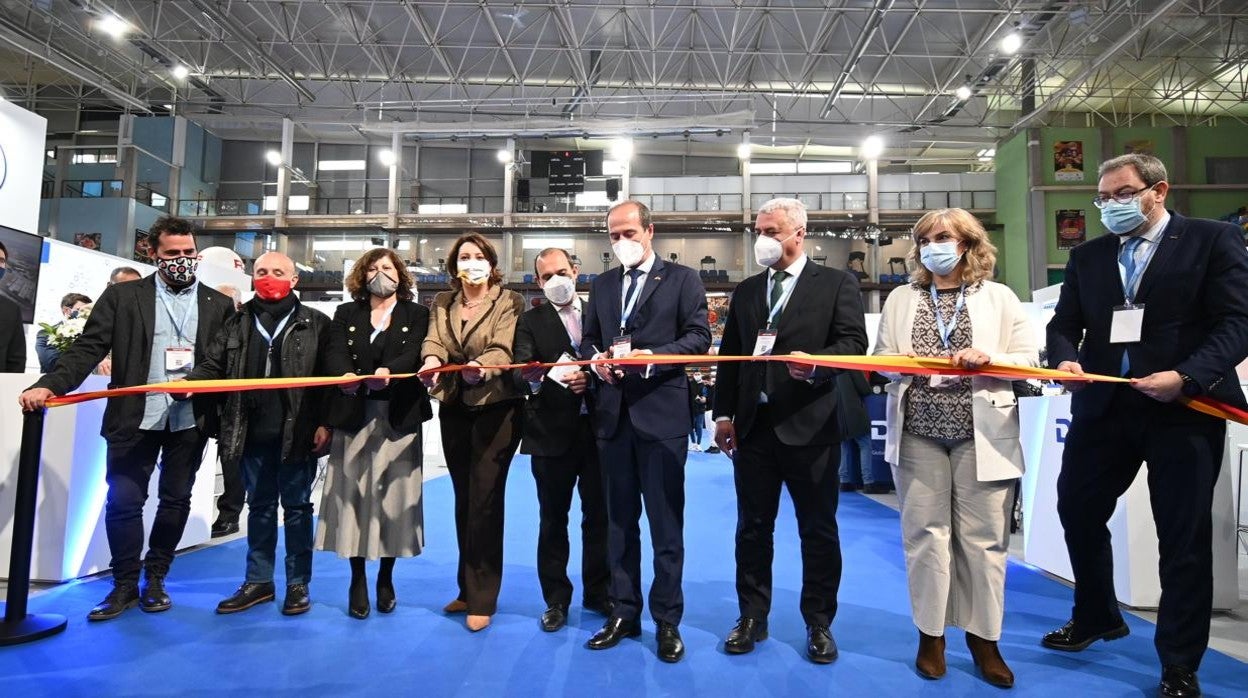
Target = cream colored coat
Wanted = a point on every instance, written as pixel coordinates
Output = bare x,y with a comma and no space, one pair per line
1000,329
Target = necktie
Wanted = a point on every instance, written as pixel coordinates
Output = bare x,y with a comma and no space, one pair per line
572,322
633,274
1126,257
777,289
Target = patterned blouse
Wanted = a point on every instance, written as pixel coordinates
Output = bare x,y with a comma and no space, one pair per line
940,412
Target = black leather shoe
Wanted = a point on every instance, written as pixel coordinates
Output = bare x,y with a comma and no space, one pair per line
222,528
848,487
357,598
602,607
614,630
248,595
671,647
1072,638
386,600
1178,682
713,449
743,636
153,598
123,596
820,646
876,488
554,618
297,600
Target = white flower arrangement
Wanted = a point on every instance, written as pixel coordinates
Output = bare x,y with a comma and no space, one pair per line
63,334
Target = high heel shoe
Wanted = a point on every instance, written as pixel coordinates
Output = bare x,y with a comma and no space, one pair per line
385,595
357,600
988,659
456,606
476,623
930,661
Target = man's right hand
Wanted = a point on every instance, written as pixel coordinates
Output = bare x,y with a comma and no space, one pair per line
604,371
35,399
1072,386
726,437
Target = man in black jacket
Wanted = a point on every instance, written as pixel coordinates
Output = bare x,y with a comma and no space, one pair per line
156,329
779,422
559,435
273,436
12,335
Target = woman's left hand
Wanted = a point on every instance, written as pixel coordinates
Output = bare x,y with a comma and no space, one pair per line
970,358
473,373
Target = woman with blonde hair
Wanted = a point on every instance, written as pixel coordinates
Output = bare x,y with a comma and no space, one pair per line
952,440
473,325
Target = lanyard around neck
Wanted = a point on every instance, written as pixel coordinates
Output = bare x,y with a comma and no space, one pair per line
774,311
384,320
946,332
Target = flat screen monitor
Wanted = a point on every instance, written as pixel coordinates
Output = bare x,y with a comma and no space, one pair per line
23,256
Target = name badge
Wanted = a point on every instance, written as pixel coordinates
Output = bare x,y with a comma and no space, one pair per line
621,346
764,343
941,381
1127,325
179,358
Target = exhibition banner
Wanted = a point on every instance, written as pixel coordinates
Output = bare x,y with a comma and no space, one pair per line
22,135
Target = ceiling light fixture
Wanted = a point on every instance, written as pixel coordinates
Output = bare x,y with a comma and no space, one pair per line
871,148
963,92
113,25
180,72
744,150
1011,43
387,157
504,155
274,158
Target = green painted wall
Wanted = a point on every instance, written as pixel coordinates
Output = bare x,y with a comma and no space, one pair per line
1218,141
1011,241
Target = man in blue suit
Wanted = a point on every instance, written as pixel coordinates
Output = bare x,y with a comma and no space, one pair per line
1163,301
645,306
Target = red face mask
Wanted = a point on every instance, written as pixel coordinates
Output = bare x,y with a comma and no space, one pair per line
271,288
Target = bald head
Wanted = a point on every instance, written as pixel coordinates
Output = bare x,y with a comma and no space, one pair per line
273,267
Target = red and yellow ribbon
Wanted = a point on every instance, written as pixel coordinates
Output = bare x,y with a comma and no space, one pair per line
888,364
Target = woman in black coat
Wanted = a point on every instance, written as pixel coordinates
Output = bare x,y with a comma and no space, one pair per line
371,507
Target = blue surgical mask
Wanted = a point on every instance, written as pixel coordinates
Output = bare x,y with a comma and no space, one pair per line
2,270
1121,219
940,258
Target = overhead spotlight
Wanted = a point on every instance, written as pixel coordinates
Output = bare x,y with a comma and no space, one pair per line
743,151
387,157
274,157
622,149
113,25
1011,43
504,155
963,92
168,107
871,148
180,72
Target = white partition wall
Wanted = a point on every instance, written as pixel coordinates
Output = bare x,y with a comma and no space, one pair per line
22,135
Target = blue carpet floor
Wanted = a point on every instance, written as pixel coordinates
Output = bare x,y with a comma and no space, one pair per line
189,651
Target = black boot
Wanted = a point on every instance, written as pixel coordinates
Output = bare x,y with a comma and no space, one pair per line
248,595
123,596
357,599
385,586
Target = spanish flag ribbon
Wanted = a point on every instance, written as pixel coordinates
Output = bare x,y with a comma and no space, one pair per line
887,364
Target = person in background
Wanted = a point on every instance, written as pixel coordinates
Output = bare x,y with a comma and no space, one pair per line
273,436
697,407
473,326
12,333
953,441
707,388
559,435
641,416
1163,301
372,506
852,388
121,275
778,422
157,329
48,355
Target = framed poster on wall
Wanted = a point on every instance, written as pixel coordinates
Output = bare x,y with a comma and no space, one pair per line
1068,161
1072,228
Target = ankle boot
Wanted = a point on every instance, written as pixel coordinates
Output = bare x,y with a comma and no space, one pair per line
357,596
385,586
988,659
930,660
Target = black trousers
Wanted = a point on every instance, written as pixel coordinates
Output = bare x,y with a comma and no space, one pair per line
129,469
634,469
762,465
233,495
557,477
1101,459
479,444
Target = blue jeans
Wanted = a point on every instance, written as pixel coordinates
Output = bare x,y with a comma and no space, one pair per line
267,480
862,444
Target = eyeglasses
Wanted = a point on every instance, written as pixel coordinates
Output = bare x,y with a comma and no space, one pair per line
1122,197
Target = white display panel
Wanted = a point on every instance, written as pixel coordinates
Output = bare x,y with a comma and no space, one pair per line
22,135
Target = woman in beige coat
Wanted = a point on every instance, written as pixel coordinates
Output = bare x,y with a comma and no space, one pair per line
473,325
953,441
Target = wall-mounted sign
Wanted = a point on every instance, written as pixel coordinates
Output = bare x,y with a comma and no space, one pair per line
1068,161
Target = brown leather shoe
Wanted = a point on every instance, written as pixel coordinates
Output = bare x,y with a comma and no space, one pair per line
931,658
988,659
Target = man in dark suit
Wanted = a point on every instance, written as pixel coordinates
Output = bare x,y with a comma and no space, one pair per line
157,329
559,435
778,422
1163,301
645,306
12,334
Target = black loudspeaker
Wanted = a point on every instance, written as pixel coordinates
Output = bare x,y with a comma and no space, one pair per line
522,189
613,189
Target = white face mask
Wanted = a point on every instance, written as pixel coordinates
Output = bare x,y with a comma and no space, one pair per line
559,290
474,271
629,252
768,250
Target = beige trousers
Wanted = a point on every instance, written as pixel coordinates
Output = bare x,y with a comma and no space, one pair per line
956,535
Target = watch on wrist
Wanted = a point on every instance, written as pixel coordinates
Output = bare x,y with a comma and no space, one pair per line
1190,387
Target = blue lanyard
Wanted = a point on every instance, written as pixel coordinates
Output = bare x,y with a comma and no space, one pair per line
774,312
177,328
946,332
277,332
384,318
